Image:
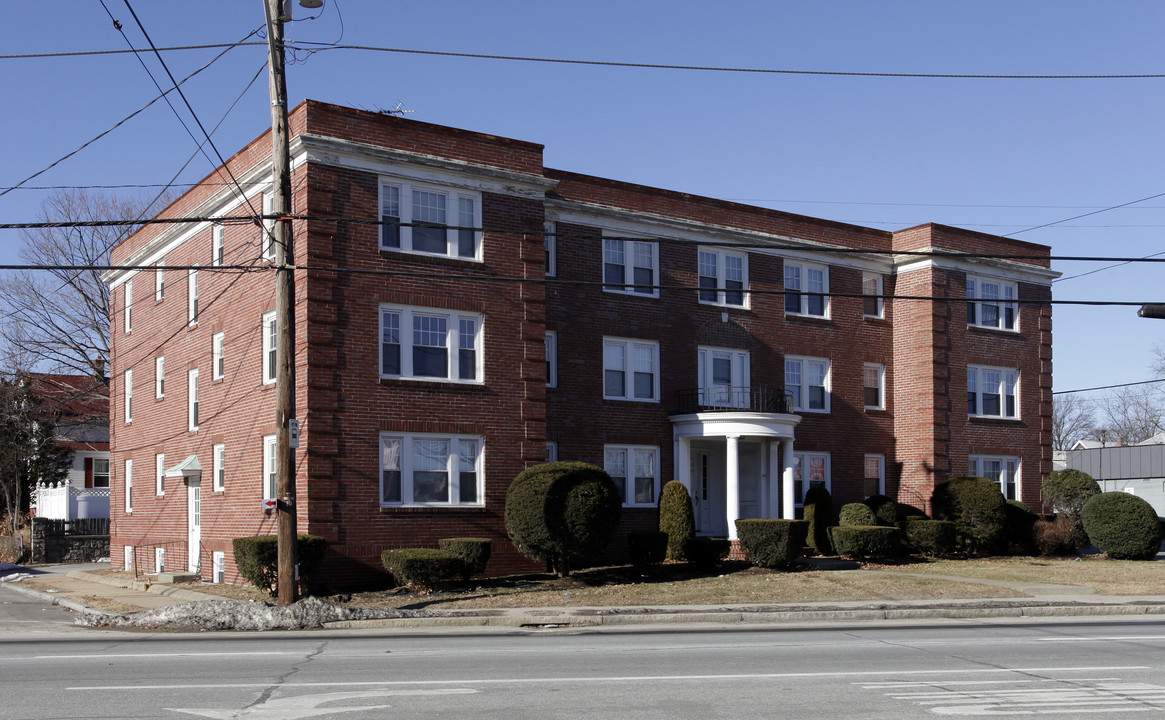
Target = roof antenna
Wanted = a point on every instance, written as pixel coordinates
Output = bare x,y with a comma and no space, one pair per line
396,110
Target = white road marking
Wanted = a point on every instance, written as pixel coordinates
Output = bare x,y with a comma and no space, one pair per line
305,706
1102,639
115,656
1057,696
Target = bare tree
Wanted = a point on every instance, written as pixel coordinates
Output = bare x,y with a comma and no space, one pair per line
1071,420
57,319
1130,415
29,450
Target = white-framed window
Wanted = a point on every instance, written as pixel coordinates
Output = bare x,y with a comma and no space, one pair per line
1001,469
128,396
551,359
268,244
429,220
992,392
873,305
630,369
100,472
160,281
269,466
219,453
630,266
724,377
217,356
551,451
429,344
129,485
874,386
127,557
160,474
159,560
217,245
809,469
875,475
218,567
992,304
807,380
431,470
192,399
635,470
160,377
270,360
192,297
128,306
806,289
723,277
550,242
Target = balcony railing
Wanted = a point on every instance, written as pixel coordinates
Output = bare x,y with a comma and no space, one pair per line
722,398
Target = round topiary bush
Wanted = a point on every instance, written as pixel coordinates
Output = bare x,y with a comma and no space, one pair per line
1122,525
676,518
885,509
562,511
1066,492
856,514
818,510
977,508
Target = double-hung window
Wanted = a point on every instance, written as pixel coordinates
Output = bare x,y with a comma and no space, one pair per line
630,266
128,306
217,356
551,359
630,369
217,245
192,400
160,474
431,470
809,469
128,396
219,453
100,472
430,221
724,380
874,386
159,377
129,485
269,465
875,475
998,469
635,470
807,381
270,360
806,289
723,277
991,392
430,344
992,304
160,281
873,306
550,241
192,297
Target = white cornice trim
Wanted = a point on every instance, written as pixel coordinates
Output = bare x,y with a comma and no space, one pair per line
998,268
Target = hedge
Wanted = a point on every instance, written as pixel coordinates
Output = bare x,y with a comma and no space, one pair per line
885,509
1020,526
647,548
706,552
257,558
818,510
421,568
676,518
1066,492
1054,538
856,514
933,538
1123,525
772,543
863,542
977,508
474,553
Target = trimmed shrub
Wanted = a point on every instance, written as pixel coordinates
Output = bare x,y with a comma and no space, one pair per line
856,514
1020,525
421,568
474,553
818,511
1066,492
864,542
257,558
885,509
1054,538
647,548
1122,525
676,518
977,508
933,538
772,543
561,512
706,552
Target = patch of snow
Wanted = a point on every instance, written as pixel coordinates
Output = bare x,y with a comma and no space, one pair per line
242,615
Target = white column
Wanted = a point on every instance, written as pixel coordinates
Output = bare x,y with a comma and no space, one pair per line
773,486
732,485
787,499
682,459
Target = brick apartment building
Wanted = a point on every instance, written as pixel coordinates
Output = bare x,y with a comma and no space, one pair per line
463,312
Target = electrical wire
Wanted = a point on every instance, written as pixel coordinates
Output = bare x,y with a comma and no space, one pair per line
1108,387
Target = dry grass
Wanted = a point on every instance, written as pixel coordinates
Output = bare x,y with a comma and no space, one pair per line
1108,577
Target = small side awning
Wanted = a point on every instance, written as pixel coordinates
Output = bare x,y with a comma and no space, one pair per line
189,469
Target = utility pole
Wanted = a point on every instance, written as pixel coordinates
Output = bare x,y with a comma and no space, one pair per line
284,304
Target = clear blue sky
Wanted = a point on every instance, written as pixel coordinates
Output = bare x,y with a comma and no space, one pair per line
991,155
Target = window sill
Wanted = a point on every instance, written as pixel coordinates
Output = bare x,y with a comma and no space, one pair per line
426,383
388,254
1004,332
876,318
429,509
631,293
875,410
631,400
992,420
819,319
811,412
722,306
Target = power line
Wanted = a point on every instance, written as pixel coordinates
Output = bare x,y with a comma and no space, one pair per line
131,51
1108,387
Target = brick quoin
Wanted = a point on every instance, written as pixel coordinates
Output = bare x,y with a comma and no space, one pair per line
344,405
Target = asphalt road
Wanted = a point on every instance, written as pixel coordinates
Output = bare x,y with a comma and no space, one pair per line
959,669
21,614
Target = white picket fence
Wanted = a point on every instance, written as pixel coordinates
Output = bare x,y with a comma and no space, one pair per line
60,501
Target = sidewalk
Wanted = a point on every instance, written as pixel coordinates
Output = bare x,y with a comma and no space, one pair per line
74,584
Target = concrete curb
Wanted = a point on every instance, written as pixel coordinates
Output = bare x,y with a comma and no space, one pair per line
55,600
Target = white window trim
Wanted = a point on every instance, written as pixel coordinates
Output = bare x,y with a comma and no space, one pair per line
627,286
721,278
219,454
192,297
550,242
803,293
628,345
159,377
217,359
881,459
453,196
270,341
802,396
217,245
799,463
880,369
160,281
127,553
452,344
129,485
159,560
975,384
128,396
269,481
405,462
551,359
1008,300
218,564
551,451
628,452
878,281
128,314
736,392
160,474
975,467
192,400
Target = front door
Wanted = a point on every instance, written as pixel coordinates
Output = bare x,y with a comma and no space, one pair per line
708,492
193,524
